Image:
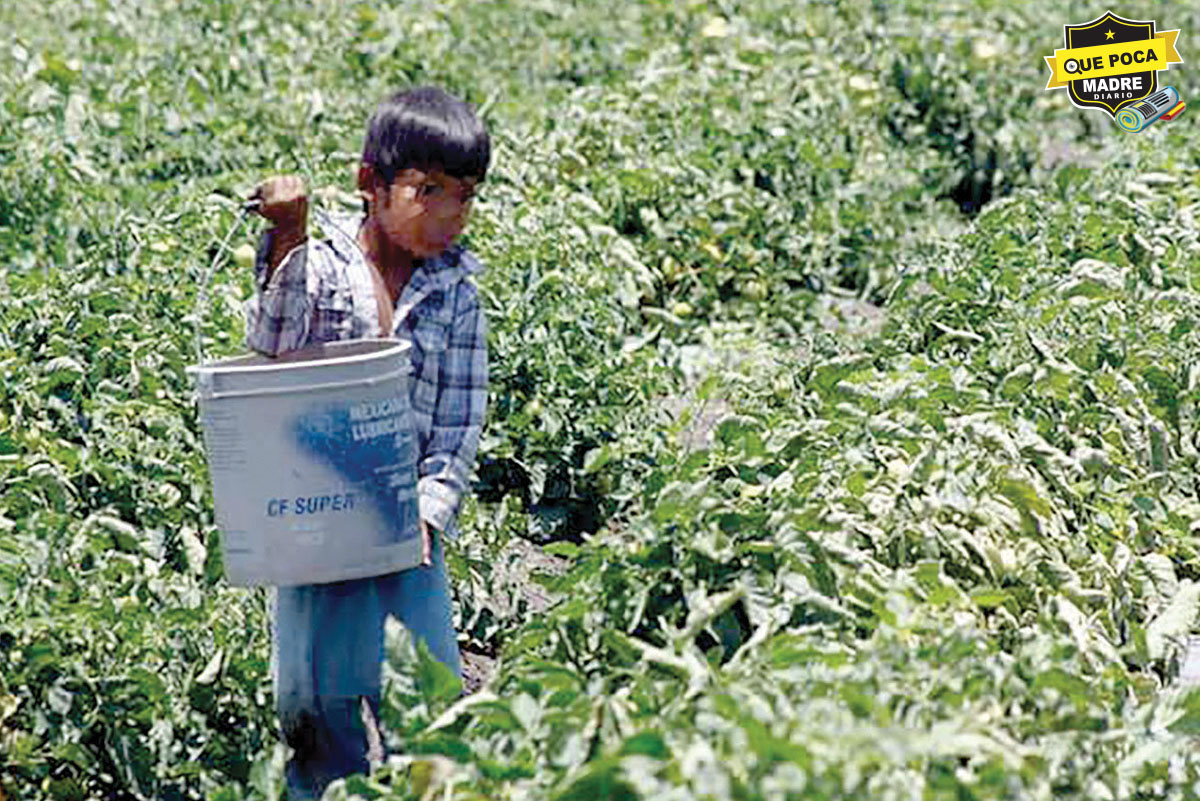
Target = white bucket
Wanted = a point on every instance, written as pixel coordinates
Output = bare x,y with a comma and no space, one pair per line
312,457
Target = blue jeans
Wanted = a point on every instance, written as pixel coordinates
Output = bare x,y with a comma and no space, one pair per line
328,646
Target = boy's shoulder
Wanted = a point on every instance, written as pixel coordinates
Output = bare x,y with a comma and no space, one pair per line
457,278
455,266
466,261
451,276
339,234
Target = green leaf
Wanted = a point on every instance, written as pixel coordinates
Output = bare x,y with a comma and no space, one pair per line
646,743
437,683
59,699
1175,621
496,714
602,780
564,549
151,684
194,550
1189,721
212,669
771,748
597,458
1074,687
268,776
442,743
988,597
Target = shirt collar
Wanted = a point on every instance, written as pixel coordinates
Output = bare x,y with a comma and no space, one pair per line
449,267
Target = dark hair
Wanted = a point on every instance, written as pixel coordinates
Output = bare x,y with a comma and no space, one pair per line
426,128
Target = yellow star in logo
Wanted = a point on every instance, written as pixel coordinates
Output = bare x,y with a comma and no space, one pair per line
1108,34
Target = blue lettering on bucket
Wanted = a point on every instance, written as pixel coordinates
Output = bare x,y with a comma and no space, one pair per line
372,447
317,504
311,505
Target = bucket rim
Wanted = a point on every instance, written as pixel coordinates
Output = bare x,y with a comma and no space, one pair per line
396,345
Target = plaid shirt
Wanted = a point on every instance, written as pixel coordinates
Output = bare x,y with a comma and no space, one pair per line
323,291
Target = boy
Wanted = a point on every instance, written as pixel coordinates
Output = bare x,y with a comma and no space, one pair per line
396,272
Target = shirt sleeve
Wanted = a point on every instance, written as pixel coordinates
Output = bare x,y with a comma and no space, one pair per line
444,471
279,316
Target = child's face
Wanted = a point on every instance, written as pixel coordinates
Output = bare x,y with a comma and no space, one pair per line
422,212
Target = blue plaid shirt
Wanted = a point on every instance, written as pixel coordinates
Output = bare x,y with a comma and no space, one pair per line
323,291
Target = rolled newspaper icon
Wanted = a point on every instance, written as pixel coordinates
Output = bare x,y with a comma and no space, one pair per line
1175,112
1136,117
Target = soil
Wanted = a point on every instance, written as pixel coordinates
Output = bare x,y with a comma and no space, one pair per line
515,590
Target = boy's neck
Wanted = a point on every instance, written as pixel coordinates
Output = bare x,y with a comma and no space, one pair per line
394,264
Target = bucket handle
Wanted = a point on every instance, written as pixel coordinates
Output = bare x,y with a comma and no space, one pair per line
248,208
205,383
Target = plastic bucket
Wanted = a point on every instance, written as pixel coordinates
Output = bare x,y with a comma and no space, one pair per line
312,458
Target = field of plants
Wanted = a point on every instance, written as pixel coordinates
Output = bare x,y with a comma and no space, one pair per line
853,378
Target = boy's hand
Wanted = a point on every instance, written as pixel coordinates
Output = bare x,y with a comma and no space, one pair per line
426,544
283,200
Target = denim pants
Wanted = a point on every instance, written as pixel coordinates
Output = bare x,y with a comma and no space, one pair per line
327,649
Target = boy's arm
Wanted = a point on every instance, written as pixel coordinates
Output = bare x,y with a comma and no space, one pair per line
458,416
278,317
